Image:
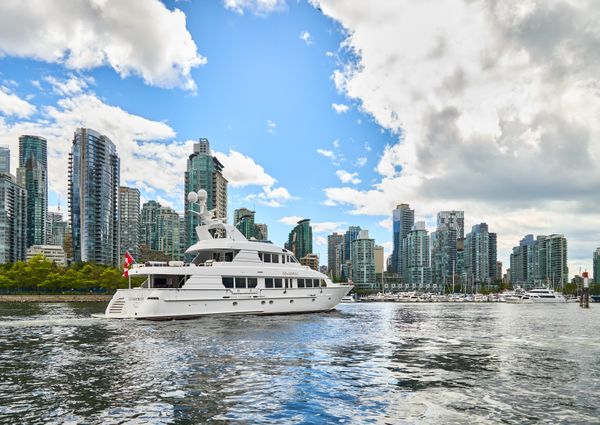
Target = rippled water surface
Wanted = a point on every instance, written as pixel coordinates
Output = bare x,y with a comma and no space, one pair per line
363,363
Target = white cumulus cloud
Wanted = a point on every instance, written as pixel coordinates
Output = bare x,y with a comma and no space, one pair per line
346,177
11,104
139,37
340,108
257,7
305,36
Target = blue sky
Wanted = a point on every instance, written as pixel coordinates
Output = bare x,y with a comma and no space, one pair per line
324,109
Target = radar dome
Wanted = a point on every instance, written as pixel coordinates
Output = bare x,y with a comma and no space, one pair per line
202,195
192,197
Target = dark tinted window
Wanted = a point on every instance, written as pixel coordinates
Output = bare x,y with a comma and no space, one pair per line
260,256
309,283
283,259
278,283
228,282
252,282
240,282
268,282
267,257
300,283
275,258
323,283
316,283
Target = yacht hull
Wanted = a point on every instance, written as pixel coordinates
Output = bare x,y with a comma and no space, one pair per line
167,304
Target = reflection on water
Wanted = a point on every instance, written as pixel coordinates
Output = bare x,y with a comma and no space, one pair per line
378,363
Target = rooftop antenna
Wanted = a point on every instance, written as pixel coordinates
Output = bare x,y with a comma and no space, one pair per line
58,201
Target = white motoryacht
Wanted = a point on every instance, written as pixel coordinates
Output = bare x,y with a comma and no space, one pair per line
229,275
545,295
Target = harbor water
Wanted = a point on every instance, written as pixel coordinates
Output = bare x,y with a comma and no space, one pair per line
362,363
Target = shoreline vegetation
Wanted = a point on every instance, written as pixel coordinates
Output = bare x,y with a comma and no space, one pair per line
54,298
42,280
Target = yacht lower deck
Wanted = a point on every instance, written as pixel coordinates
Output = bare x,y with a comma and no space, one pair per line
167,304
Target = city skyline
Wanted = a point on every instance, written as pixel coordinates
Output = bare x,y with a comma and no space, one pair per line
284,88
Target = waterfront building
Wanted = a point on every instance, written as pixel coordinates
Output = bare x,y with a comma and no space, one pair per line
262,232
499,273
56,228
596,265
129,219
454,220
390,282
54,253
480,255
553,265
417,266
539,261
300,239
310,260
13,220
94,175
350,236
4,159
335,257
244,221
450,228
378,259
363,261
204,171
149,235
403,219
460,275
32,174
323,269
169,239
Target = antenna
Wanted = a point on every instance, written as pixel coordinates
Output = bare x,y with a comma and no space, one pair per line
58,201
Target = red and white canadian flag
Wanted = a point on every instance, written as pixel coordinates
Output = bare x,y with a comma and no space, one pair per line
128,262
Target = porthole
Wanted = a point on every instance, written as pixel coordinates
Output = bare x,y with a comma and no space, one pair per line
271,302
329,298
313,300
235,303
262,302
291,301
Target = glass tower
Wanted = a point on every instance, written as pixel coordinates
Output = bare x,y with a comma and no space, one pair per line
403,219
94,175
204,171
300,239
32,174
13,220
4,159
129,220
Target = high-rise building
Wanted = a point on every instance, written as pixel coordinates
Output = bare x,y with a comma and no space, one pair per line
129,219
454,220
150,226
56,228
450,228
499,273
262,232
160,230
350,236
4,159
94,175
204,171
244,221
480,255
403,219
13,220
417,266
539,261
378,259
363,261
596,265
335,243
300,239
169,240
310,260
32,174
555,271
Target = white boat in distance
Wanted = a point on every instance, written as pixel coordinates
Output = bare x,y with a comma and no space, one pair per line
229,275
545,295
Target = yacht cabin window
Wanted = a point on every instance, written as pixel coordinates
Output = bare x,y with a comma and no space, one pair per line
278,283
240,282
300,283
275,258
268,282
